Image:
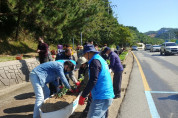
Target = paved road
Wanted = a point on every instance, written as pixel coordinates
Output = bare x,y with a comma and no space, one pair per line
161,73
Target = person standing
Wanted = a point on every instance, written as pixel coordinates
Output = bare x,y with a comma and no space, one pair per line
117,68
44,74
42,50
99,83
67,54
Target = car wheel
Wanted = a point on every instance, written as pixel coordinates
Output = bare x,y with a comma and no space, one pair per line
161,52
165,53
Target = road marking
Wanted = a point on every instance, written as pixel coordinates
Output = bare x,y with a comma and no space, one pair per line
145,83
163,92
151,105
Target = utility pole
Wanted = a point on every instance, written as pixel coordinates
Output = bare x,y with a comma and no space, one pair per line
73,42
81,38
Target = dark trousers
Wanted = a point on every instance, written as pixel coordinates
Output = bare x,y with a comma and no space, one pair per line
43,59
117,79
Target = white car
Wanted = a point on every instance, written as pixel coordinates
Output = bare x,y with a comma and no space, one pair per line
169,48
155,48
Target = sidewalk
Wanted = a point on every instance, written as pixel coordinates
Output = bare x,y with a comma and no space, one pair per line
18,101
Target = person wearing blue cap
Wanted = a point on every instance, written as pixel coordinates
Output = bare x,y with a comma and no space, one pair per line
117,68
99,83
44,74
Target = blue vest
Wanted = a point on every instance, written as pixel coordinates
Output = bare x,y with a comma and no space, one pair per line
104,87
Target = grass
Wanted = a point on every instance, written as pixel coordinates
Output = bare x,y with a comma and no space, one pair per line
4,58
123,55
10,49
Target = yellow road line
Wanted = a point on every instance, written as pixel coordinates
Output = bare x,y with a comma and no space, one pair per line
145,83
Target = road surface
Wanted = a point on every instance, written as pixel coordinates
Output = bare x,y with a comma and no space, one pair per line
160,98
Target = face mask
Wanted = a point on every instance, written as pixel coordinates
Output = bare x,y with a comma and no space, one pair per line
65,71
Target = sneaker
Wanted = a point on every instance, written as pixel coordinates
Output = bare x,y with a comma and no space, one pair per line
117,96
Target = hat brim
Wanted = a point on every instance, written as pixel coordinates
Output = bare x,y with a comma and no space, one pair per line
77,66
90,51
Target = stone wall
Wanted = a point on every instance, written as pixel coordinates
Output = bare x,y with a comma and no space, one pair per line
15,72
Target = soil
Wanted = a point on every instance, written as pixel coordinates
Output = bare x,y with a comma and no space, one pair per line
54,104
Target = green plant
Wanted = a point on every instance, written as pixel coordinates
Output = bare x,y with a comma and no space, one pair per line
81,78
123,55
108,61
62,92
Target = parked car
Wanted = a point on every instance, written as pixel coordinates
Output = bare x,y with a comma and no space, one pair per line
134,48
155,48
168,48
147,47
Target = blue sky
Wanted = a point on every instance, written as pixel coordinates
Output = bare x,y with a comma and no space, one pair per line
146,15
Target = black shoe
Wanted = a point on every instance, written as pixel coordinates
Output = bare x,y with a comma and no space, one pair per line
84,114
117,96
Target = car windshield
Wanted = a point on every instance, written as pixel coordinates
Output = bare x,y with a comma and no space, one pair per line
134,46
156,46
170,44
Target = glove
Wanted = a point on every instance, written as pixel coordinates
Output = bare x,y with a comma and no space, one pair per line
90,95
77,83
81,100
61,87
77,90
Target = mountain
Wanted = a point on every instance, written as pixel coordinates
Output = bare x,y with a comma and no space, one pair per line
164,33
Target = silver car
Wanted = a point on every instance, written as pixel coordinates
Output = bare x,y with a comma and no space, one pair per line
134,48
155,48
147,47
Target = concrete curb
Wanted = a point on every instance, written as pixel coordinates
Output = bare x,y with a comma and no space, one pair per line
114,108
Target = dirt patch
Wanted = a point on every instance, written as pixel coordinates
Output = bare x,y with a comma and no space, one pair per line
54,104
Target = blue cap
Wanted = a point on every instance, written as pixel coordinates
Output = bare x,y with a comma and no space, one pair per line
106,49
89,48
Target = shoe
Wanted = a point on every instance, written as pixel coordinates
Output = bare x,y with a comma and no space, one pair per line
117,96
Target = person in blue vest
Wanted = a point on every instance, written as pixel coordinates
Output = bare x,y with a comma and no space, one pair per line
99,84
45,73
116,66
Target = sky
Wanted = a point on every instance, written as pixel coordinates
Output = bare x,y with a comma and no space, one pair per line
146,15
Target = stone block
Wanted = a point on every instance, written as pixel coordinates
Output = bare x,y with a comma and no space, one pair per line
6,68
4,82
11,67
3,75
8,75
12,82
13,76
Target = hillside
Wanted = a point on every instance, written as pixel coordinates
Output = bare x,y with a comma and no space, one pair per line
164,33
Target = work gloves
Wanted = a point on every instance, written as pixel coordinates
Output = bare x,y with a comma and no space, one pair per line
77,83
81,100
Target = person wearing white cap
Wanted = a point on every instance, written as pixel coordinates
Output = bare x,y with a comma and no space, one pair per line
82,65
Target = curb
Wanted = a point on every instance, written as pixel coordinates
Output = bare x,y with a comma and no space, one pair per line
116,105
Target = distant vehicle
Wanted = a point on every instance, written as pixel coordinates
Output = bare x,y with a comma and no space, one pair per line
141,45
155,48
147,47
168,48
134,48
